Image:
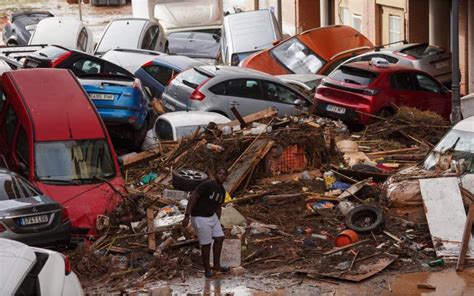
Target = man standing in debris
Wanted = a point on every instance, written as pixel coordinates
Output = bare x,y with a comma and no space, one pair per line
204,207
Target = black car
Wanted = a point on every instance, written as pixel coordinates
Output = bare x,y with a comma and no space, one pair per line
29,216
21,25
80,63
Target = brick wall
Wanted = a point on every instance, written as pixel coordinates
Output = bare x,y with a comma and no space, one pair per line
417,21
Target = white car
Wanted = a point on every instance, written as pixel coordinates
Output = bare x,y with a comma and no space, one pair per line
130,59
67,32
34,271
173,126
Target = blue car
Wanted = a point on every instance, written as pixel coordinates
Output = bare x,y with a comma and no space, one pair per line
122,104
156,74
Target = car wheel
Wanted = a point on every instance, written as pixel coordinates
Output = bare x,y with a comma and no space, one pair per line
386,113
365,219
187,179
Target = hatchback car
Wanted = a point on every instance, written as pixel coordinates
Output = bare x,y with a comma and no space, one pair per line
78,62
156,74
35,271
316,51
121,103
219,88
21,25
132,33
432,59
355,91
29,216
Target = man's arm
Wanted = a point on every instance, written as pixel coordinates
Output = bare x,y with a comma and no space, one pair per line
219,211
189,208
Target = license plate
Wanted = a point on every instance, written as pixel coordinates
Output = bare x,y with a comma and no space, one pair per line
442,64
104,97
34,220
31,64
336,109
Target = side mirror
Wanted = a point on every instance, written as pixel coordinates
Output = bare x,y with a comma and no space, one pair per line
217,38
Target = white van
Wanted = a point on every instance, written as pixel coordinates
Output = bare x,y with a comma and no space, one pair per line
67,32
173,126
247,32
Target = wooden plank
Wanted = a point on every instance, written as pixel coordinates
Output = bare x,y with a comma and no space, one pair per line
151,227
257,116
445,215
465,239
251,157
140,157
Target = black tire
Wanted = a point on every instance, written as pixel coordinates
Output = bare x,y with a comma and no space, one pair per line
187,179
356,217
386,113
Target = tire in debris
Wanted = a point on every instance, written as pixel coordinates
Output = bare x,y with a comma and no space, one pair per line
187,179
365,219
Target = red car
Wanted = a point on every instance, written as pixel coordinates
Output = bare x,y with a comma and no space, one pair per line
357,90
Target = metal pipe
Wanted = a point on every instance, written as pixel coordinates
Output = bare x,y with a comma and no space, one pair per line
455,97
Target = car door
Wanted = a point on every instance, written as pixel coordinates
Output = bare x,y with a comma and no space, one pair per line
179,43
283,98
156,78
204,45
433,94
9,125
402,92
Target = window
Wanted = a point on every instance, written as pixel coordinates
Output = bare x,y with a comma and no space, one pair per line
164,130
82,40
151,37
278,93
402,81
353,75
192,78
162,74
394,28
427,84
244,88
22,147
84,66
11,120
297,57
3,98
344,16
357,22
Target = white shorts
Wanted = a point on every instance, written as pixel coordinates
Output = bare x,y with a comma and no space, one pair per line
207,228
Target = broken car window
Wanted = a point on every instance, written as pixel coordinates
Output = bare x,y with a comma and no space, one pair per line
294,55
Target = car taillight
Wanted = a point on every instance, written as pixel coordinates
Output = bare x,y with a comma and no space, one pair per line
2,228
59,59
407,56
64,215
197,95
370,91
67,265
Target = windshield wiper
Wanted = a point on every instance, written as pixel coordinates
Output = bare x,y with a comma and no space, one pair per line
49,179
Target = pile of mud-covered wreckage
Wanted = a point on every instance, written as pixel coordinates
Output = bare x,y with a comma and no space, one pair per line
306,197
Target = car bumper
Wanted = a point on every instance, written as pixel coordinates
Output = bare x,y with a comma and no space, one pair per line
171,104
119,116
59,235
349,115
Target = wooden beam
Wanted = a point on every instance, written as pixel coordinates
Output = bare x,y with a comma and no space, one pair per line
378,153
257,116
466,238
138,158
150,215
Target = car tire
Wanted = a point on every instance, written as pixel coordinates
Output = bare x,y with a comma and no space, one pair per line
187,179
386,113
354,219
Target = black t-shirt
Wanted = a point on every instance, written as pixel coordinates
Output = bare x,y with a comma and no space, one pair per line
211,196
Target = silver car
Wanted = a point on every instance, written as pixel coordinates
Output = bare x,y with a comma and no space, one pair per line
219,88
429,58
28,216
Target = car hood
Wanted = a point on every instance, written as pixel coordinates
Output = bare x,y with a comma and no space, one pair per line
85,202
186,13
18,258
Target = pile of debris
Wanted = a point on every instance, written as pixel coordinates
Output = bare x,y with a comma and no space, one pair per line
285,215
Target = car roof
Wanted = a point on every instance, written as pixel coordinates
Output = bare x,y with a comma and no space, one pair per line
465,125
180,62
129,59
19,258
190,118
300,77
366,65
238,72
41,90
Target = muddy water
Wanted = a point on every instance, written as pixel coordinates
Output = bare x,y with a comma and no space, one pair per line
446,282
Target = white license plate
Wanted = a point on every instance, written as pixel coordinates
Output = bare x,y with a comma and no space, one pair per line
442,64
34,220
105,97
31,64
336,109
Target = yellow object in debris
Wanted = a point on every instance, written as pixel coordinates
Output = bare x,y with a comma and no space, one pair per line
227,198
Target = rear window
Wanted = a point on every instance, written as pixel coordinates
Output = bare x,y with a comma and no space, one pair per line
12,187
353,75
51,52
114,36
164,130
422,50
192,78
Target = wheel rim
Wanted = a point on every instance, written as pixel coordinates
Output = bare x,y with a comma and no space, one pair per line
191,174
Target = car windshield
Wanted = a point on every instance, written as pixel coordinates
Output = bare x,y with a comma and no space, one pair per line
192,78
121,34
73,161
297,57
12,187
353,75
456,145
